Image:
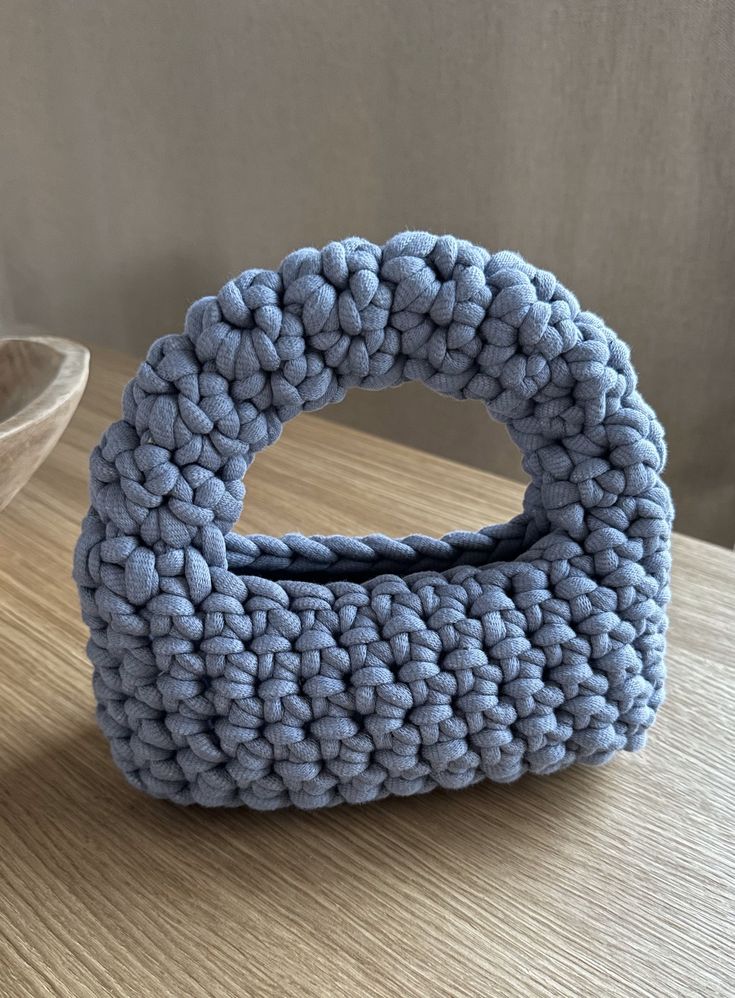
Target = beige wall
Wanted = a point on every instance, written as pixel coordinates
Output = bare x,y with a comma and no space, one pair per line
151,149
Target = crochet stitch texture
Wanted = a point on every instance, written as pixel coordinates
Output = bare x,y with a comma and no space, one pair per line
270,671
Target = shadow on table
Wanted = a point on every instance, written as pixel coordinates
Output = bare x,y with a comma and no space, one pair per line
74,794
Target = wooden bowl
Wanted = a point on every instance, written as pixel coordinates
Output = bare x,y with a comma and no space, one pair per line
41,382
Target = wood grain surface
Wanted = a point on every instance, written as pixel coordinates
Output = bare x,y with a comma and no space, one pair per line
613,881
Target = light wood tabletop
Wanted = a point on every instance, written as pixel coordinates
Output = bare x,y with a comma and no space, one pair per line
612,881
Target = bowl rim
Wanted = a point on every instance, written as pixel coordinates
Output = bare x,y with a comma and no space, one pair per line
73,371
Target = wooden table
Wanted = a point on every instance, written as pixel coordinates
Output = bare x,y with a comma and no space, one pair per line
613,881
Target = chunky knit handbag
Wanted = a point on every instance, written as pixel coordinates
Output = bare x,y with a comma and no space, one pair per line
270,671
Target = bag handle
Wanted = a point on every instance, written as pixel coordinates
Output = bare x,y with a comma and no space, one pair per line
437,309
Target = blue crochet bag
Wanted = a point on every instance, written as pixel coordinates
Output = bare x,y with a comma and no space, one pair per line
269,671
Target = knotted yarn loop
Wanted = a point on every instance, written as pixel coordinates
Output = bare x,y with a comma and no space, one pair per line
269,671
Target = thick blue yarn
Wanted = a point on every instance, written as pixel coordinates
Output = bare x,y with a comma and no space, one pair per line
266,671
